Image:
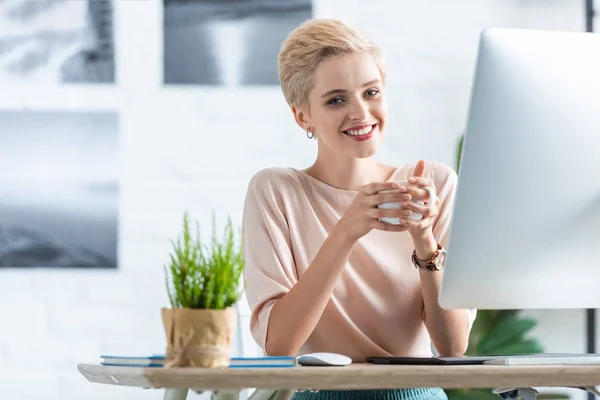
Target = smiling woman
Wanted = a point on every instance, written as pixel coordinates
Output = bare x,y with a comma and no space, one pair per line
324,272
353,109
334,86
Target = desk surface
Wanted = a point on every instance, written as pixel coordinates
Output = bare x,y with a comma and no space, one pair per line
354,376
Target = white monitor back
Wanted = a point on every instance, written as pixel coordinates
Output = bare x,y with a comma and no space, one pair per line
526,224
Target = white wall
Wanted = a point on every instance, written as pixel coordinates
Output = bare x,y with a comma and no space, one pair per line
196,148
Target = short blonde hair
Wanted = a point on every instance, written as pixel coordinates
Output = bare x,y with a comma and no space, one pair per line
308,45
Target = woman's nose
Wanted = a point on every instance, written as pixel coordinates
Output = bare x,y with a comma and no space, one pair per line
359,111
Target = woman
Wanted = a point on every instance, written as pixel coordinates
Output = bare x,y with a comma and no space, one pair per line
323,272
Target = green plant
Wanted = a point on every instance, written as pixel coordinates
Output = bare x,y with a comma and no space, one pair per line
498,332
202,277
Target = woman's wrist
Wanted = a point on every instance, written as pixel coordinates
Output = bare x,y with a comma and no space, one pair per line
425,245
342,235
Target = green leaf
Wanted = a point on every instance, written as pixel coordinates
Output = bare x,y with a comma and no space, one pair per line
471,394
507,330
502,316
526,346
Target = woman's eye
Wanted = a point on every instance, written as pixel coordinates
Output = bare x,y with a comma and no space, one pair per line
372,92
335,101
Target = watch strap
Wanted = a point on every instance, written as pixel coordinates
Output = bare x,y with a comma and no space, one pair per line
433,264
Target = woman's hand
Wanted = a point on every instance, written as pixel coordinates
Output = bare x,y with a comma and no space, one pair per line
363,215
418,183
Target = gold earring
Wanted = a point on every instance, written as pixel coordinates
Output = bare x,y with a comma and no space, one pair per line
310,134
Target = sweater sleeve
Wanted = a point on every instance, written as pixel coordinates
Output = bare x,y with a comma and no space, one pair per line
446,179
269,270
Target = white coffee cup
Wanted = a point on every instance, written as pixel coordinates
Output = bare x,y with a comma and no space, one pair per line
396,205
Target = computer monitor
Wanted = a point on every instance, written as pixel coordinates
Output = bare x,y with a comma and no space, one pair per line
526,224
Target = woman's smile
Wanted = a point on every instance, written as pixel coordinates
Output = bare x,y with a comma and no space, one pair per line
361,133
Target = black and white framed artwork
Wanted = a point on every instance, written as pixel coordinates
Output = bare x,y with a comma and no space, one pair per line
56,41
227,42
59,189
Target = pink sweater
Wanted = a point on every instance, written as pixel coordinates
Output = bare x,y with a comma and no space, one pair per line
376,308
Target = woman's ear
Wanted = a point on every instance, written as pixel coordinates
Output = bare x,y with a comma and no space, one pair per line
302,118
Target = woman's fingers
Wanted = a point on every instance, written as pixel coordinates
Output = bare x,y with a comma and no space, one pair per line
421,181
372,188
417,192
391,213
426,211
395,197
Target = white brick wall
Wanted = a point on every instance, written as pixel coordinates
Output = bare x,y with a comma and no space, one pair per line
196,148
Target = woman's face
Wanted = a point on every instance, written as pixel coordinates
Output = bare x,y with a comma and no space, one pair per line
347,108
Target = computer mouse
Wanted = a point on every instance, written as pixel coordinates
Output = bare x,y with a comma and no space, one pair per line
323,359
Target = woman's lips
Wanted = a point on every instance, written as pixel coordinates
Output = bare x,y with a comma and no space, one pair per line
364,137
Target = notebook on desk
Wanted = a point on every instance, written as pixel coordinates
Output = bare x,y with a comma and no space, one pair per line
158,360
521,359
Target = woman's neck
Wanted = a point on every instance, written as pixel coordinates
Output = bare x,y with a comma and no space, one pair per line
349,173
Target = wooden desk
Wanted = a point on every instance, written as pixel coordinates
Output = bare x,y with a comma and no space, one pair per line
354,376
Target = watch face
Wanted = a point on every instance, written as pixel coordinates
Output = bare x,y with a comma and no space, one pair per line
434,264
440,259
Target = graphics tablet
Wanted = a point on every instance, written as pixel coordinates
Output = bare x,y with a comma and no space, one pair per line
467,360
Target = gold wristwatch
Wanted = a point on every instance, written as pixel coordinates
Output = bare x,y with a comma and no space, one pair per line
435,263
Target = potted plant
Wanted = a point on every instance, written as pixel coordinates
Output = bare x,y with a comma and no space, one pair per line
203,285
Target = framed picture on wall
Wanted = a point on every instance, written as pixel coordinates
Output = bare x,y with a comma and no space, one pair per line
57,41
59,189
227,42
